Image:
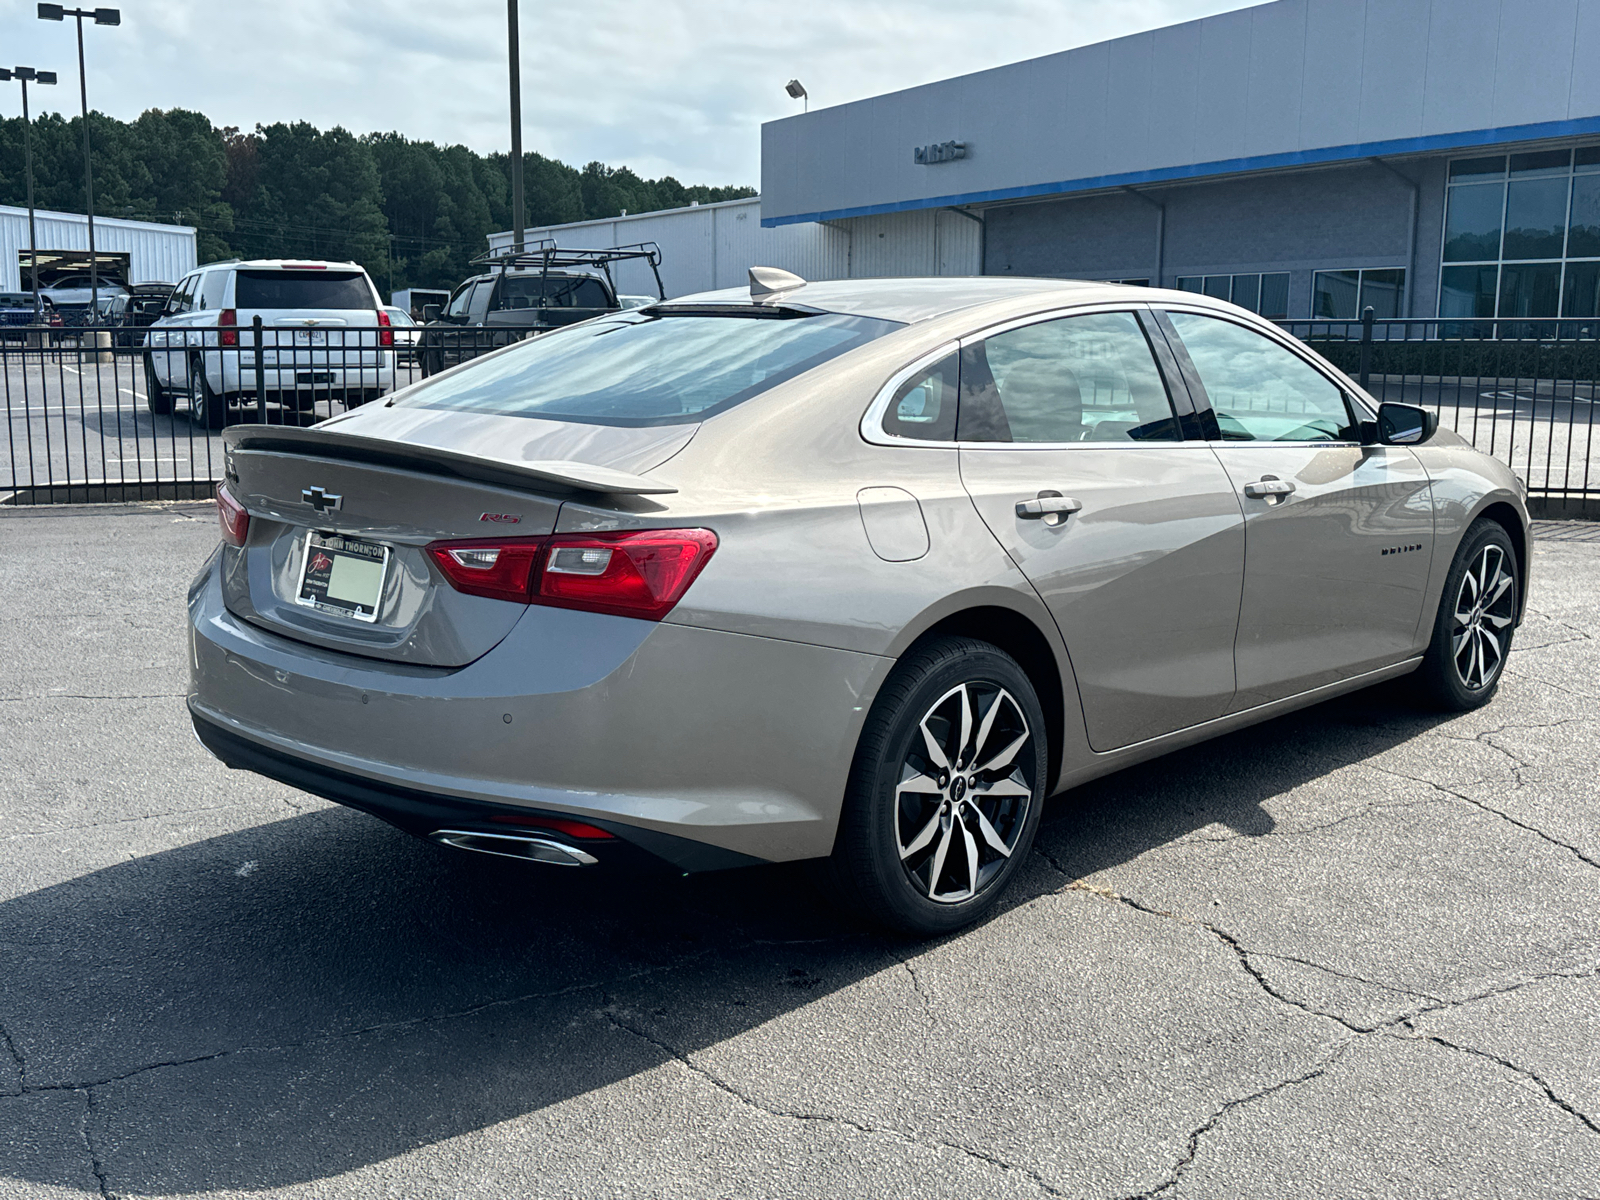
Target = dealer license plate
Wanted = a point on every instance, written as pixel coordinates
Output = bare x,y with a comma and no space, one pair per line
343,576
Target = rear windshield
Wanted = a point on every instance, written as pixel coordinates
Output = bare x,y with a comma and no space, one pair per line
530,291
644,369
302,289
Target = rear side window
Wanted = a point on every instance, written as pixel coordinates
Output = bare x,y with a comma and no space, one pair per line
1077,379
303,289
924,406
642,368
211,290
530,291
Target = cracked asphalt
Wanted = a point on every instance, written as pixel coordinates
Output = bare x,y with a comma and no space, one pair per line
1354,952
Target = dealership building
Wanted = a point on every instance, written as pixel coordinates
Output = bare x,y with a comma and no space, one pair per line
1302,158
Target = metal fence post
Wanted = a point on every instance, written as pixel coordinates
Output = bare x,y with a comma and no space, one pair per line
261,370
1366,345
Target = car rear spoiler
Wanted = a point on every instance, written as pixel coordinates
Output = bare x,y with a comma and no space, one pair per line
535,476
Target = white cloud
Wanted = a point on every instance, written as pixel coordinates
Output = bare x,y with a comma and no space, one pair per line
674,87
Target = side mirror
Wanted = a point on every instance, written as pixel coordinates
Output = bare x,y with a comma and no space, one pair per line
1405,424
430,312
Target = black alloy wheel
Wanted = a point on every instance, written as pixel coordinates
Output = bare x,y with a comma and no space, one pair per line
946,789
1476,621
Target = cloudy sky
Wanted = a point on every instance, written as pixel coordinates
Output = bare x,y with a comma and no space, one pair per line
674,87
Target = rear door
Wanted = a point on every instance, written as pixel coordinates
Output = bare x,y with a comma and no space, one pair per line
317,321
168,338
1338,535
1073,451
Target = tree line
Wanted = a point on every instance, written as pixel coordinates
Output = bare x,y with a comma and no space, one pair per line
412,212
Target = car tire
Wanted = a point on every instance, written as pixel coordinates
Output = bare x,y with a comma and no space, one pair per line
1472,634
912,828
207,408
156,397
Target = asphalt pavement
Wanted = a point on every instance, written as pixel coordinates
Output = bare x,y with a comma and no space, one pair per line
1354,952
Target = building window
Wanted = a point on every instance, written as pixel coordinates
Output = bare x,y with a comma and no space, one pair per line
1522,235
1129,282
1345,295
1266,294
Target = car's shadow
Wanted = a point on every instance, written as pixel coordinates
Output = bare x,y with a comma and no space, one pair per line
306,997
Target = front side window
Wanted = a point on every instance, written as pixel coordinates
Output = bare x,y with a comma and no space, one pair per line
647,367
554,291
1259,390
1076,379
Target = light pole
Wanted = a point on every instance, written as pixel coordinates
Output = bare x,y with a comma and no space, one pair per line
516,127
102,16
22,75
797,91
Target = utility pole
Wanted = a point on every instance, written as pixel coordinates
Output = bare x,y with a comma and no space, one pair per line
102,16
516,128
22,75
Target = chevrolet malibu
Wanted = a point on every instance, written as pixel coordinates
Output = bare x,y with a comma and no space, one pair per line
858,572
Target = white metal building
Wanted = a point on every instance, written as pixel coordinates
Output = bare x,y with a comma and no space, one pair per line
149,251
710,246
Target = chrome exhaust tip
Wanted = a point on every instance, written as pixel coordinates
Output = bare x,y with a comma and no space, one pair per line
524,846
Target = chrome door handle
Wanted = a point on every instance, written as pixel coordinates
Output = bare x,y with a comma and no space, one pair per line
1263,488
1052,507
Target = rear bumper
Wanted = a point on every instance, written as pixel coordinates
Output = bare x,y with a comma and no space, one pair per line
738,744
422,813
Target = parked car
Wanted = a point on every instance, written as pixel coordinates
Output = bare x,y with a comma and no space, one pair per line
325,336
71,294
134,310
17,315
406,333
521,294
859,571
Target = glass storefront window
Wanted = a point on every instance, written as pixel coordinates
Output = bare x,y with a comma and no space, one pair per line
1344,295
1522,235
1266,294
1467,291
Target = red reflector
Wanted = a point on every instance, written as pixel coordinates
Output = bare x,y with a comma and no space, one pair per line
577,829
641,574
232,517
228,337
499,568
385,331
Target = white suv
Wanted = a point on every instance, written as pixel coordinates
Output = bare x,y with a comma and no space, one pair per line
324,336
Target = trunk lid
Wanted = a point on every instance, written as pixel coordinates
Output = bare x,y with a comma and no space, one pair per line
304,485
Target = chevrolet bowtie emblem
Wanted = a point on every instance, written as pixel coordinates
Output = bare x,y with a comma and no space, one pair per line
320,500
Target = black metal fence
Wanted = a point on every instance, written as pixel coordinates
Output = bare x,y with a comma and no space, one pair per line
111,414
106,414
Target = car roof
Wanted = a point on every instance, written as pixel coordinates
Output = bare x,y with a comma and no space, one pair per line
281,264
912,300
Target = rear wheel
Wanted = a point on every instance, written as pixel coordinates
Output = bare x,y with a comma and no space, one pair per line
1475,623
206,407
156,397
945,791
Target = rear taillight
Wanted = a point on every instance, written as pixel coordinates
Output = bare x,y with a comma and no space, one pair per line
232,517
385,332
227,336
499,568
626,574
640,574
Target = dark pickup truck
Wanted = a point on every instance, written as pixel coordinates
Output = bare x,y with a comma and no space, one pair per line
522,293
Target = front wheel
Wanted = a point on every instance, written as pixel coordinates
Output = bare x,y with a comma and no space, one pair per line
156,397
945,791
1475,623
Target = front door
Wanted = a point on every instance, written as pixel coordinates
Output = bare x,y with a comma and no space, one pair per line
1338,535
1132,536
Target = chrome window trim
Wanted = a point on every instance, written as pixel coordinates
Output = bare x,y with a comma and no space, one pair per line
872,429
